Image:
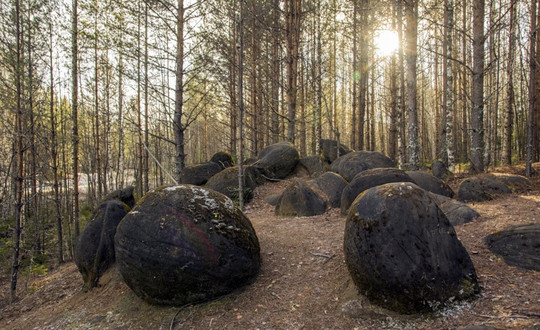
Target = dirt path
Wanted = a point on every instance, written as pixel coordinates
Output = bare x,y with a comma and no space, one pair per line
304,284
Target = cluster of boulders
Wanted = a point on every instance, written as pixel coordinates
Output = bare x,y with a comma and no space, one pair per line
189,243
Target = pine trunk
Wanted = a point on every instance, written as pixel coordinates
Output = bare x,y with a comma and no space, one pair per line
477,98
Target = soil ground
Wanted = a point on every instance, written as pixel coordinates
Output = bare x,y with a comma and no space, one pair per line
303,284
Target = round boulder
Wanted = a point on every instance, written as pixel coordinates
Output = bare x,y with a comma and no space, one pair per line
123,195
329,150
332,185
94,249
299,199
199,174
223,159
403,253
369,179
440,170
479,189
314,165
186,244
355,162
518,245
457,212
226,182
431,183
278,160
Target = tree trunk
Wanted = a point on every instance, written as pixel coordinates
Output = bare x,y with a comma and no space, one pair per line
508,124
411,33
293,15
477,98
240,99
276,33
178,128
354,75
75,112
146,165
448,85
402,155
532,90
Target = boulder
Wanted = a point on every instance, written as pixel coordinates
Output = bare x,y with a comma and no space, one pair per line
332,185
440,170
226,182
369,179
94,249
299,200
123,195
278,160
314,165
457,212
199,174
431,183
329,150
355,162
518,245
403,253
514,182
186,244
273,199
479,189
223,159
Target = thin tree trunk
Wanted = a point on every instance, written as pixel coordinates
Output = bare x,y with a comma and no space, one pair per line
477,98
411,12
532,91
275,72
179,94
401,91
146,168
97,136
448,85
240,99
508,124
75,112
354,75
293,14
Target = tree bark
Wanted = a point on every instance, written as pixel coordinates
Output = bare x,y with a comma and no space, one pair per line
533,35
293,16
75,112
508,123
178,128
477,98
411,34
448,85
240,99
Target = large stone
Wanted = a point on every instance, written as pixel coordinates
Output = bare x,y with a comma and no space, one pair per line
457,212
440,170
278,160
223,159
431,183
314,165
355,162
369,179
186,244
403,253
514,182
226,182
299,199
332,185
518,245
329,150
479,189
123,195
94,249
199,174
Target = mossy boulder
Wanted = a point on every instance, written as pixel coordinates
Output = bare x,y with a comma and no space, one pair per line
223,159
94,249
186,244
518,245
512,181
481,188
278,160
440,170
123,195
329,150
369,179
300,199
403,253
349,165
332,185
226,182
314,165
431,183
199,174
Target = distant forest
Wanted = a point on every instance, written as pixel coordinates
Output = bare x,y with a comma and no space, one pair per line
99,95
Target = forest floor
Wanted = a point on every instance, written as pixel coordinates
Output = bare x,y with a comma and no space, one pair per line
303,284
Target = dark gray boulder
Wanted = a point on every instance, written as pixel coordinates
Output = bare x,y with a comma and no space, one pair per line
273,199
186,244
479,189
369,179
223,159
512,181
457,212
123,195
199,174
329,150
430,183
277,161
332,185
299,199
518,245
355,162
226,182
403,253
94,249
314,165
440,170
